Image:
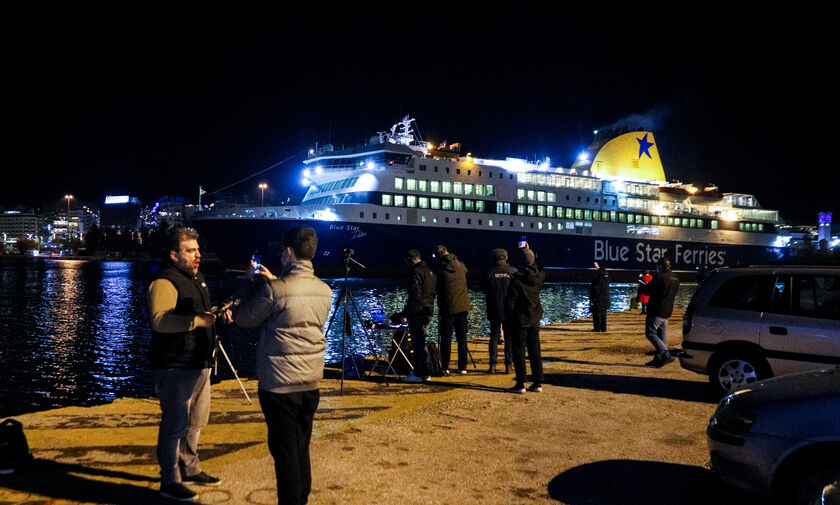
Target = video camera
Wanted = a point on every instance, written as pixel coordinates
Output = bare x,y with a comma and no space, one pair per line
218,310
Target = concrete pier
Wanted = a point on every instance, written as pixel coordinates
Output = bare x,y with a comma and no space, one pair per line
605,430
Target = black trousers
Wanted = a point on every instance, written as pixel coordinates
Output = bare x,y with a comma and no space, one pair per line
446,324
496,327
527,338
417,327
599,319
289,419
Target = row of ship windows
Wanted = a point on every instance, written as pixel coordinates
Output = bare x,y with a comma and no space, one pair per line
449,187
578,226
469,172
550,211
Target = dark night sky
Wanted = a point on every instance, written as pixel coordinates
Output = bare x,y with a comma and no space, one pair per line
159,100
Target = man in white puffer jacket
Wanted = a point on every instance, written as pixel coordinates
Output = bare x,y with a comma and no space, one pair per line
292,310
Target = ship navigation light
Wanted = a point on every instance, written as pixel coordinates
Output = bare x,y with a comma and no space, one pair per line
371,165
318,170
584,156
306,172
305,182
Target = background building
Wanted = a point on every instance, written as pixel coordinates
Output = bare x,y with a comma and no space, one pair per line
121,213
16,225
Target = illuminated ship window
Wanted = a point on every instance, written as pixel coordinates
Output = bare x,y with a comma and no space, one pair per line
549,225
434,219
638,219
411,184
399,201
469,205
521,224
446,203
411,201
422,219
446,187
479,190
570,213
714,224
670,221
507,208
422,185
613,216
646,219
399,182
468,189
434,203
596,215
540,225
458,188
500,208
520,210
587,214
685,222
423,202
578,214
701,223
760,226
541,210
434,186
692,223
540,196
399,217
387,200
531,194
520,194
488,189
458,204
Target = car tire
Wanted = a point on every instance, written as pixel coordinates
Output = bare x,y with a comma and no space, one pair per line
804,485
734,369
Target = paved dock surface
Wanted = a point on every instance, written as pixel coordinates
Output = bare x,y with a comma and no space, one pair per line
605,430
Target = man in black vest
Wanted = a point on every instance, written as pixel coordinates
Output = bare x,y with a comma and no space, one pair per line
181,357
495,286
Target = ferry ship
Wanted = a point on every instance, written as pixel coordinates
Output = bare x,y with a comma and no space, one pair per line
613,205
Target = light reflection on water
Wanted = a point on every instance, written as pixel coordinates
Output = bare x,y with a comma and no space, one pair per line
77,332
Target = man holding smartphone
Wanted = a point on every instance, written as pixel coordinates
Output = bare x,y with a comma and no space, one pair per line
292,310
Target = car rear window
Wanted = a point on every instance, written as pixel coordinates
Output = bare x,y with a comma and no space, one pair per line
748,292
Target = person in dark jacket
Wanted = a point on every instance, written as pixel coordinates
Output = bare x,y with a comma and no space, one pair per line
525,311
495,286
662,291
180,355
418,310
599,298
453,307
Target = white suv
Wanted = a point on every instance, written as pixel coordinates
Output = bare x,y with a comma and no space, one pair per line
748,323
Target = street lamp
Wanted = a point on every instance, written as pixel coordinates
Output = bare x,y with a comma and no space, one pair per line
68,198
263,186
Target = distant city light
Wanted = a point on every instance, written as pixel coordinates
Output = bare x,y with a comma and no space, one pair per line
109,200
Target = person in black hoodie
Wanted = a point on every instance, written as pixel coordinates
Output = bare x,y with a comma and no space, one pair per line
418,310
495,286
525,311
599,298
662,290
453,301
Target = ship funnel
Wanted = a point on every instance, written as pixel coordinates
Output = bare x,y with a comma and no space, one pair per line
631,155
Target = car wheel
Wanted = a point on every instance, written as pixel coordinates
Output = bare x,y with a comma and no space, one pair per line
805,486
733,370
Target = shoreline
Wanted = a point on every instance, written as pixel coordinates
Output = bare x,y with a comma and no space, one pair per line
605,429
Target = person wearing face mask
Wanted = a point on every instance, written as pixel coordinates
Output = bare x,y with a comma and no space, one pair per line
291,310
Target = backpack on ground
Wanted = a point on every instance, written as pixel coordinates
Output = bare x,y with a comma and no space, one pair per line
433,360
14,450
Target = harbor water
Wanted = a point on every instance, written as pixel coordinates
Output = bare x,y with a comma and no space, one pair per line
77,332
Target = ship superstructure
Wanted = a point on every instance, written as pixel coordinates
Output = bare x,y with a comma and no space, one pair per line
613,205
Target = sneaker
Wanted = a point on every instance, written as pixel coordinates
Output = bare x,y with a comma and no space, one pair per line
462,371
177,491
444,372
202,479
518,389
427,378
535,388
411,378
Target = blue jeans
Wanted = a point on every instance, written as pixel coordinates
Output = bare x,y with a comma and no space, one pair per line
184,409
656,330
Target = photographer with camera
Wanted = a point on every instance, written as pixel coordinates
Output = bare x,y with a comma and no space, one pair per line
183,339
418,312
292,310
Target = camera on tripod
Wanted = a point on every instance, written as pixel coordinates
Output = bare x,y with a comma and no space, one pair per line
218,310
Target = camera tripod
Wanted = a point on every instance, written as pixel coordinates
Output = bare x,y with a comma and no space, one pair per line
217,346
345,298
